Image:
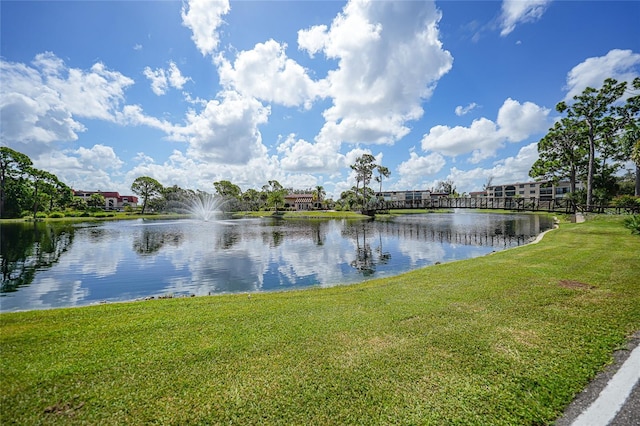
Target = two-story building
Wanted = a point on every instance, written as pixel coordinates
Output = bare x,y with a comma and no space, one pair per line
543,190
299,202
112,200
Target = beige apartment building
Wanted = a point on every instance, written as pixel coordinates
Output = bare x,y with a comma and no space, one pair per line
545,190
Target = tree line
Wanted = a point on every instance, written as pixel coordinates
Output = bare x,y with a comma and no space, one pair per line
597,134
27,191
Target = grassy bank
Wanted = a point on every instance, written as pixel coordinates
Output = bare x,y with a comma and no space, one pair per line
503,339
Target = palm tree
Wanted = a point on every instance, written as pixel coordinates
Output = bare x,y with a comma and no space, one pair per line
382,172
318,195
635,157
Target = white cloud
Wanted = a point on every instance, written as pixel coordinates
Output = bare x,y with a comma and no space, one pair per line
518,121
622,65
42,103
226,131
176,79
203,17
158,80
389,59
300,155
520,11
161,79
97,93
313,39
482,135
266,73
134,115
508,170
414,171
84,168
483,138
460,110
99,157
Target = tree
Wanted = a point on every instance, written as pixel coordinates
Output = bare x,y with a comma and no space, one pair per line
589,110
382,172
13,166
252,198
318,194
447,187
562,153
635,156
39,179
275,193
630,137
147,188
364,166
225,188
488,183
96,201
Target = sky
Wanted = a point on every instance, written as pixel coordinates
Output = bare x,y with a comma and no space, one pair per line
194,92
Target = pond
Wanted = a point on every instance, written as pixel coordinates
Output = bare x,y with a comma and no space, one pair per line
49,265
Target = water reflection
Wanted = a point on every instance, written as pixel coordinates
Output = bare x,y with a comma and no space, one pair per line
52,265
27,247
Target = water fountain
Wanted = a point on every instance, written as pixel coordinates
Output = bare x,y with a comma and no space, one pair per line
200,205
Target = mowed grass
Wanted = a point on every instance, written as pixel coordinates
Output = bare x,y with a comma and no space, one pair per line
508,339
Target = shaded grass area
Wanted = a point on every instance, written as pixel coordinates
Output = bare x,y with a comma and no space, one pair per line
508,339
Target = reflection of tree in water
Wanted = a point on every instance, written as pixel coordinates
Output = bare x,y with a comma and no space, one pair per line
150,241
28,247
365,261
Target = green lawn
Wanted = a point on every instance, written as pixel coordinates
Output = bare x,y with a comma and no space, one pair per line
508,339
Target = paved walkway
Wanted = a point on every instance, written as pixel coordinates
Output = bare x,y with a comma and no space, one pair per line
613,397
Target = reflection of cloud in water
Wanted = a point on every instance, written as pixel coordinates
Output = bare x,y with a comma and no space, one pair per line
420,251
47,293
120,260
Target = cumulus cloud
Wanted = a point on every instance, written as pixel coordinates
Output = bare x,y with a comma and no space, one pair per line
508,170
416,169
623,65
43,103
203,17
515,12
84,168
97,93
460,110
389,60
300,155
483,138
161,79
226,130
266,73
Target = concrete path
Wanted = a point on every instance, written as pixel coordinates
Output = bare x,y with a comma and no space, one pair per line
613,397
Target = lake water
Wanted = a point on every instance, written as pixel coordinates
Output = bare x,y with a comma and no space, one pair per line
49,265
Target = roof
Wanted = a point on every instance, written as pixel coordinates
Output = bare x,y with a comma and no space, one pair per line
107,194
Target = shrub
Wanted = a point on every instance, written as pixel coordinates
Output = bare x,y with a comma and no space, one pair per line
56,215
633,223
628,201
103,215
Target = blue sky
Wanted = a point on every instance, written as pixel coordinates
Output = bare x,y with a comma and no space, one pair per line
194,92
